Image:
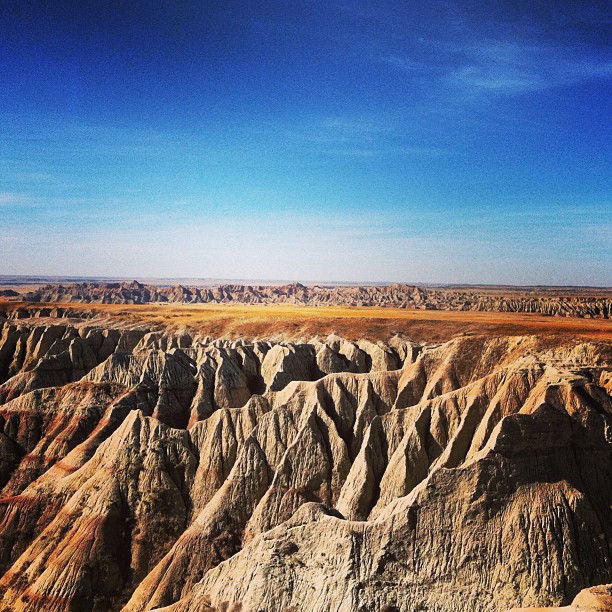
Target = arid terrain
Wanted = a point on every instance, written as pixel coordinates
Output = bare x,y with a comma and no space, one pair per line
278,456
305,306
574,302
236,321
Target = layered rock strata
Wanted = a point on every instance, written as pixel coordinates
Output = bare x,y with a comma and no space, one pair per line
397,295
144,471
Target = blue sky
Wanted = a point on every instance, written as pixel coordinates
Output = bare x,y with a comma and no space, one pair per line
392,141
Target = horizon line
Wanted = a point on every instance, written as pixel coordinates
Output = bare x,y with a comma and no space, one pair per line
6,279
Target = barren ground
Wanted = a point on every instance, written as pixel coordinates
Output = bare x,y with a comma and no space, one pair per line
353,323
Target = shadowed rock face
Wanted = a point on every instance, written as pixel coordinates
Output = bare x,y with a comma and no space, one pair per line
144,471
397,295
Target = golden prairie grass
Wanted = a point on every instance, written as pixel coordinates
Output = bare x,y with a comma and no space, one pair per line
350,322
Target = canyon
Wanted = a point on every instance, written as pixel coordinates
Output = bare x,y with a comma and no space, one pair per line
150,466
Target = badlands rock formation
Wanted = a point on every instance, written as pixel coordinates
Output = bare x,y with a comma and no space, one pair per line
141,470
398,296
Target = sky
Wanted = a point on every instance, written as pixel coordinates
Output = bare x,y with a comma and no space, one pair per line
410,141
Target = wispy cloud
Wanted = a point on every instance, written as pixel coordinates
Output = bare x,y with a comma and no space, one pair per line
501,66
8,198
356,137
77,138
403,63
336,136
511,67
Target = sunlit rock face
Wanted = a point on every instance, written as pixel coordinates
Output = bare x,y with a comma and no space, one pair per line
395,295
142,470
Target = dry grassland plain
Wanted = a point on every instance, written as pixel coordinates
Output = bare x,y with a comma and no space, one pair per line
296,322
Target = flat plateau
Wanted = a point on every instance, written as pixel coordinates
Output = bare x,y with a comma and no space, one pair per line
372,323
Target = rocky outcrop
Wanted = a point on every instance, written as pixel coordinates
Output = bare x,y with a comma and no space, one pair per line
183,473
517,521
580,303
595,599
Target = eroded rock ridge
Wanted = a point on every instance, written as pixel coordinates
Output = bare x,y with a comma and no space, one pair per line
141,470
397,295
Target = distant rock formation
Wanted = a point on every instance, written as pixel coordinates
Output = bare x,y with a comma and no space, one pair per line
142,470
397,296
